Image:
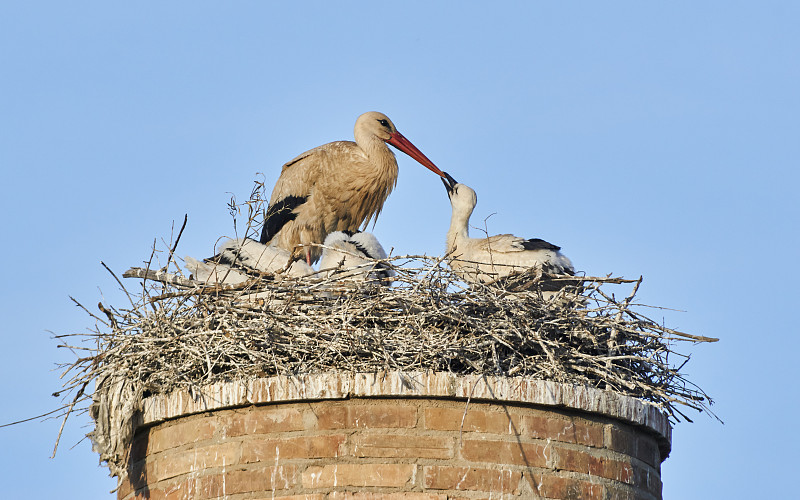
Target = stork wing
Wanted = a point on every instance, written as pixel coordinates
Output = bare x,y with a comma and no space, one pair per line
297,159
508,243
291,190
278,214
539,244
503,243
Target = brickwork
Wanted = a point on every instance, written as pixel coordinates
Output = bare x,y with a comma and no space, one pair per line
396,449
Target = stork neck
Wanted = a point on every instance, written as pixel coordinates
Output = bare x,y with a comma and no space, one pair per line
375,148
459,227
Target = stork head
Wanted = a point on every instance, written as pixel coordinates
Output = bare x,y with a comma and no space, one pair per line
375,124
449,183
337,238
369,244
461,196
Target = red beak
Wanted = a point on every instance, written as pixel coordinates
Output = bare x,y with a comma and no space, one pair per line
397,140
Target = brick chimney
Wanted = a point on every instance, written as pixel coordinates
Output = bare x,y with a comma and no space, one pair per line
409,436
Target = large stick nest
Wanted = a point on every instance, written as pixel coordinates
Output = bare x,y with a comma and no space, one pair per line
176,333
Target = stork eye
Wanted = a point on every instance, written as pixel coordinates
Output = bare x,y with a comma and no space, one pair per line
384,123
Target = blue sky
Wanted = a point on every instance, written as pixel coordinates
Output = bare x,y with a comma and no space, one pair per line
655,140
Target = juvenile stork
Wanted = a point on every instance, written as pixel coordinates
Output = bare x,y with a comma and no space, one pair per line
354,256
485,259
335,187
240,257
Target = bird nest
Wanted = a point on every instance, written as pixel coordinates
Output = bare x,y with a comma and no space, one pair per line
176,333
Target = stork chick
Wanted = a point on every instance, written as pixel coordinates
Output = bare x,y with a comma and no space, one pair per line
486,259
237,257
335,187
354,255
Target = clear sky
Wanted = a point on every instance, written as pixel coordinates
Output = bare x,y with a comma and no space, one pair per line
645,139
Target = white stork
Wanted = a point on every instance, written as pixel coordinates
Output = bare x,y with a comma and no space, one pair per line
485,259
238,257
337,186
354,255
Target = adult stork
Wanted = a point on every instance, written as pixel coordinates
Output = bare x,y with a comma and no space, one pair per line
337,186
486,259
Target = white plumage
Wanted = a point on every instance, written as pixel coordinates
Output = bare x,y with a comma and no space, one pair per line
486,259
238,256
213,273
353,255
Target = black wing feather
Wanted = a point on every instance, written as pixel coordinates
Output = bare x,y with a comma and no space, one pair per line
279,214
362,249
225,258
539,244
382,270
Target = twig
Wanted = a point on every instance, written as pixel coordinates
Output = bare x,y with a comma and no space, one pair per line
177,240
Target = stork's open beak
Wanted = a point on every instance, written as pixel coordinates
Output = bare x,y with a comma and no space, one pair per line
449,183
397,140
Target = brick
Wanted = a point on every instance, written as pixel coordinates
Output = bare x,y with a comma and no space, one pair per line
171,436
139,473
124,487
618,471
263,420
622,493
272,450
346,495
579,461
575,430
647,479
564,488
620,439
475,420
331,417
381,416
314,496
399,446
647,451
383,475
365,417
505,452
183,490
150,494
173,464
246,480
472,479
